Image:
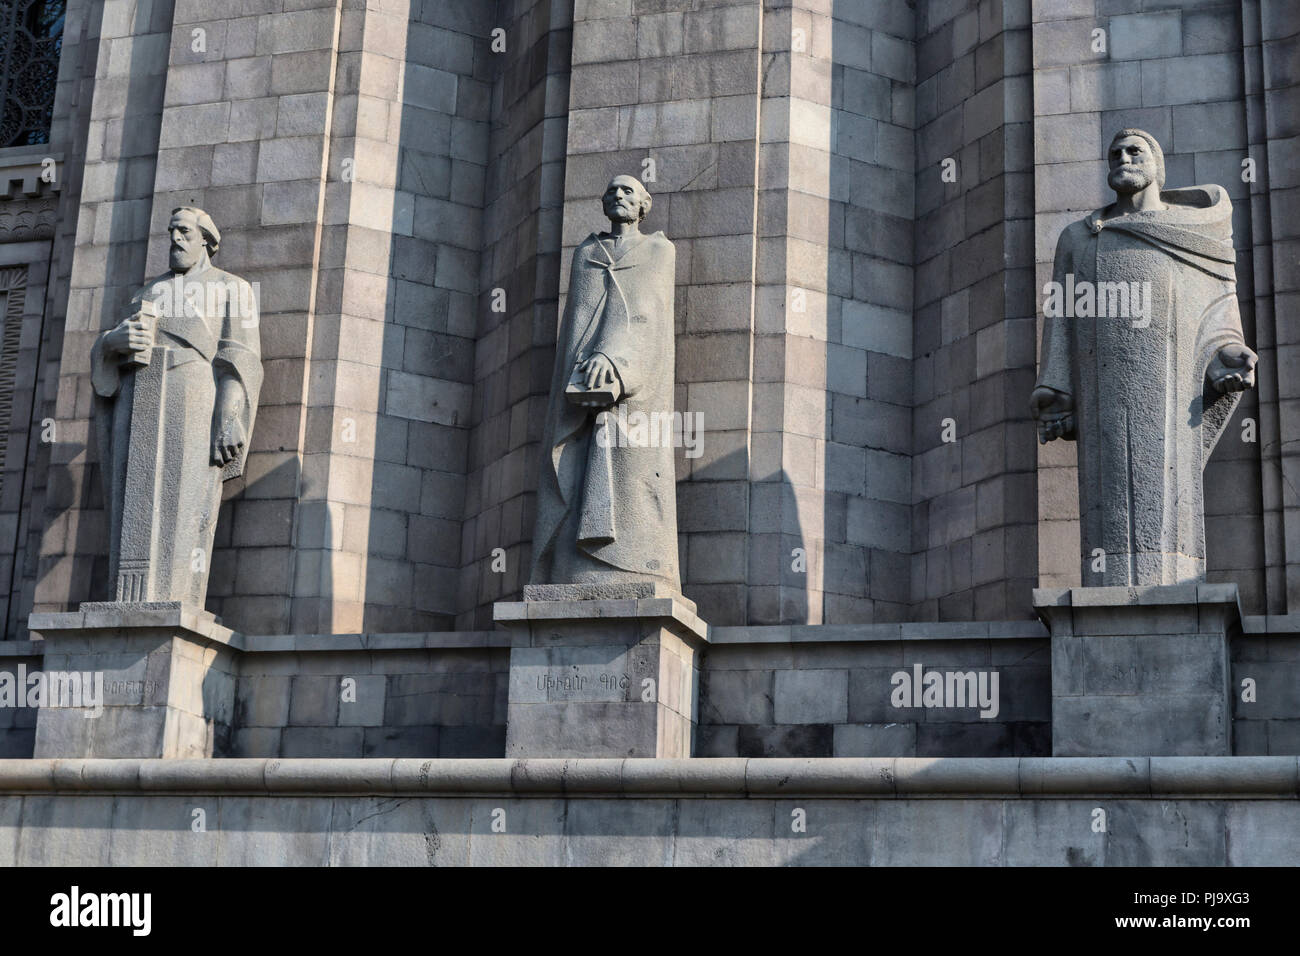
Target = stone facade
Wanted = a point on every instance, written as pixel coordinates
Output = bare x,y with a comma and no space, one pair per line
864,198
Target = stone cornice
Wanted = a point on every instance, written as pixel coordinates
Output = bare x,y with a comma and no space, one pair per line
838,778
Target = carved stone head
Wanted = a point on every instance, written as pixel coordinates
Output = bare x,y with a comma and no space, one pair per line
1136,162
194,238
626,200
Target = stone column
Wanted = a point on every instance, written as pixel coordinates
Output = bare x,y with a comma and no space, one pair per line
135,680
1141,670
602,671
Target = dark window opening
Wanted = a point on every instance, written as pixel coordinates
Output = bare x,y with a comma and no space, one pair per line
31,38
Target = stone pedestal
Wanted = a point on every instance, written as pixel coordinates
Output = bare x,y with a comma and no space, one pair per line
1141,671
602,671
156,680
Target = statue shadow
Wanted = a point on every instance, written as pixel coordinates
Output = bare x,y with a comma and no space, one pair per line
759,576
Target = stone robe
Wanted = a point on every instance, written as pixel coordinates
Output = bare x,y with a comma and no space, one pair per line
155,426
1146,417
609,514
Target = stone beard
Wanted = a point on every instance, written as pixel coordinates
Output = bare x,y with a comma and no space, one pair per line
607,510
1146,418
157,423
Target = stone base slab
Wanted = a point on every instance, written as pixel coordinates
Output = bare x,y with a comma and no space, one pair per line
1141,670
155,680
1161,811
602,678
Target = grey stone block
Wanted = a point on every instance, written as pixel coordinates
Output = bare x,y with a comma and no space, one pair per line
811,697
381,831
962,833
737,697
1146,36
875,740
314,702
804,740
1138,833
260,832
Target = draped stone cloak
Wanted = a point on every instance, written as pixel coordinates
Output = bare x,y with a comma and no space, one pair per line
609,514
1146,418
155,426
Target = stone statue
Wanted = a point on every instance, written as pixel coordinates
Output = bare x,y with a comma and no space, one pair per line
1143,361
607,496
176,385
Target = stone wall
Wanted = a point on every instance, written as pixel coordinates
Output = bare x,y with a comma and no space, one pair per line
893,812
974,529
18,723
411,695
826,691
112,218
1181,73
392,338
785,691
1270,723
42,341
831,416
517,307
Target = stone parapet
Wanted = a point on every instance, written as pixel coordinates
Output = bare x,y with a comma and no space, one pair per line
1209,778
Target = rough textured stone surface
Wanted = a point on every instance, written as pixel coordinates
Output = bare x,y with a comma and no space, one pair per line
607,495
1141,670
663,813
602,678
1143,377
864,200
384,174
176,385
156,680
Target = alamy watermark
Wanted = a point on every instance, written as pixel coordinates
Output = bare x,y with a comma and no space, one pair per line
75,908
70,689
624,429
208,297
1084,299
922,688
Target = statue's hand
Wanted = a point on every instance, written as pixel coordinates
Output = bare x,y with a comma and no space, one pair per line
1054,412
131,335
597,373
228,440
1233,368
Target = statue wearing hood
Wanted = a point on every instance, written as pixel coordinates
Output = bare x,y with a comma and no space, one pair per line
1143,361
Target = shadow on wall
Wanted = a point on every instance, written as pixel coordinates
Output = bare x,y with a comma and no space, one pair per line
76,504
413,552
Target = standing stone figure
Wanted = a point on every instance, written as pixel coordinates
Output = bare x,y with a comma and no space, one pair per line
176,385
607,497
1143,361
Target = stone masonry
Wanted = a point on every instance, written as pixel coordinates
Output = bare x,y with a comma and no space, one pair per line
864,198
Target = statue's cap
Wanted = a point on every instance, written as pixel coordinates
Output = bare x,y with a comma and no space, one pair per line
211,234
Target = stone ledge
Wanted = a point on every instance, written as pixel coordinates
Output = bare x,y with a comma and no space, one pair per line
413,641
22,648
1277,625
1269,778
670,610
872,633
1154,594
112,615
